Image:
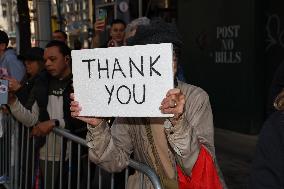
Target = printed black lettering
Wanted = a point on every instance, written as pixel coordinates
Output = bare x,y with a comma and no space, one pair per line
110,93
152,64
131,63
102,69
117,69
89,65
143,96
129,97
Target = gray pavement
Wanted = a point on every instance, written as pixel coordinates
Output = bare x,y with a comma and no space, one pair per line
234,152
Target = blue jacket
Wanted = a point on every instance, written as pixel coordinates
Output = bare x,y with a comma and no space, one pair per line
10,65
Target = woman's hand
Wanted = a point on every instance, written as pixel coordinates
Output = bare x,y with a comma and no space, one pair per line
173,103
75,111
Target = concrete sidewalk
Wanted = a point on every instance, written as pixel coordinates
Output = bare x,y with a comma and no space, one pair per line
234,152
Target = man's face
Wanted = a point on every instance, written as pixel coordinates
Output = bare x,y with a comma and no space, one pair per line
58,36
55,63
117,32
32,67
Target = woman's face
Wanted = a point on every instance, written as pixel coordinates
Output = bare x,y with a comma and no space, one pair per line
117,32
32,67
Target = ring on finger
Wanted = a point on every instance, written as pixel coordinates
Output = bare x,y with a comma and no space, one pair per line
173,103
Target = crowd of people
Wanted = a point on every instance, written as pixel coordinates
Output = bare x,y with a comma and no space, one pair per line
180,149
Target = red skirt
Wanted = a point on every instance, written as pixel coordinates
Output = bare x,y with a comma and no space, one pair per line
203,175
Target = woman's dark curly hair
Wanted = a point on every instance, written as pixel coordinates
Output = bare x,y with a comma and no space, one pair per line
158,31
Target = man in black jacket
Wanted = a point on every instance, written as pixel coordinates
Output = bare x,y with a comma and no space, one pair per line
50,107
268,165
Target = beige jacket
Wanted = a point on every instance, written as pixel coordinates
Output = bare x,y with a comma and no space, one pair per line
111,148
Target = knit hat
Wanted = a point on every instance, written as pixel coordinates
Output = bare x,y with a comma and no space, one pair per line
34,53
157,32
4,37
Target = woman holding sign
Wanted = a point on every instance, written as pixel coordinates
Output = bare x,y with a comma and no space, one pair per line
180,149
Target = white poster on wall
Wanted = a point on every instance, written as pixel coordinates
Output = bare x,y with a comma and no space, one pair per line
128,81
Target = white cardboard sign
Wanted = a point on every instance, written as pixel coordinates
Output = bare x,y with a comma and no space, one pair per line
128,81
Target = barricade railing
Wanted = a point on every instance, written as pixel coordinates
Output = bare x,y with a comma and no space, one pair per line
22,165
9,153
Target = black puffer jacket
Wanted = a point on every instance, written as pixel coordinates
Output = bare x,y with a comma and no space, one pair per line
268,165
43,86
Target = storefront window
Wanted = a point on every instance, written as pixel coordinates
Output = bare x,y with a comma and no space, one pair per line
84,5
67,8
75,14
84,16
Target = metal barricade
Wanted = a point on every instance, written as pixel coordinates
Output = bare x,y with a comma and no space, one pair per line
20,165
9,162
